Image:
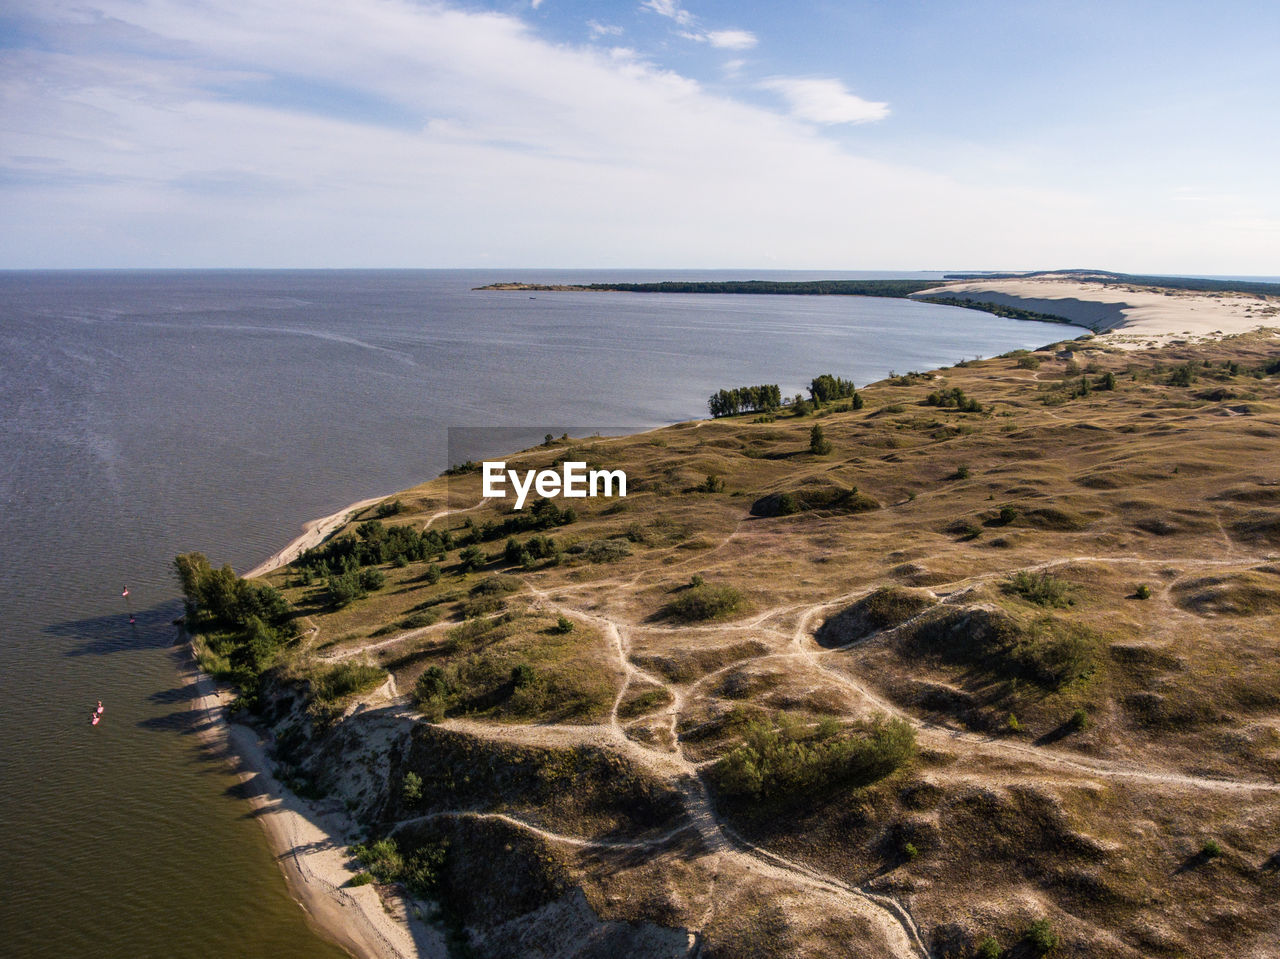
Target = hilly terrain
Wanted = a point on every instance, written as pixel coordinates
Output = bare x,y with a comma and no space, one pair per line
987,664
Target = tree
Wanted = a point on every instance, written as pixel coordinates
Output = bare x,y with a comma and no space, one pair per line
818,443
825,388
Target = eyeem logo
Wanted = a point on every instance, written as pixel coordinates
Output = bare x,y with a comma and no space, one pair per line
574,482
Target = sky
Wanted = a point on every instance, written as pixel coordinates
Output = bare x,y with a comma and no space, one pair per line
678,134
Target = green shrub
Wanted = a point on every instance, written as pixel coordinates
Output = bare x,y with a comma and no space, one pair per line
703,602
1041,938
1143,591
372,579
360,879
564,625
713,483
419,620
988,947
1028,363
1079,720
819,445
471,559
522,674
1211,849
1043,589
792,761
344,588
910,852
433,694
608,550
411,788
344,680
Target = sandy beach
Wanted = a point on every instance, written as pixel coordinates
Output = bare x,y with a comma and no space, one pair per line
314,534
309,845
1124,315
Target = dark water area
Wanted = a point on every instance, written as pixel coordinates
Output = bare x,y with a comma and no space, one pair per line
147,414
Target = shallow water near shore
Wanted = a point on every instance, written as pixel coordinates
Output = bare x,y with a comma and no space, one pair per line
147,414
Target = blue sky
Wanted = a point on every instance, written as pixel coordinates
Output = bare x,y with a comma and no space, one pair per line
901,134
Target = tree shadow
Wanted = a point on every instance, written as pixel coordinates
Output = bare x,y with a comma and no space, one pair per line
1192,862
104,635
1057,735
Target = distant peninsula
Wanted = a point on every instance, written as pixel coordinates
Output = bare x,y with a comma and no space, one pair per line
1149,310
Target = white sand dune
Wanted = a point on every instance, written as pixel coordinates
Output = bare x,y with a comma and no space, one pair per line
1129,316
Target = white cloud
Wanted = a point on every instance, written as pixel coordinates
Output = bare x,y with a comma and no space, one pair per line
825,100
599,30
535,3
386,133
670,9
732,39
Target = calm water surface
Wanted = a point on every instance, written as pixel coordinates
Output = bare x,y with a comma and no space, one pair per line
147,414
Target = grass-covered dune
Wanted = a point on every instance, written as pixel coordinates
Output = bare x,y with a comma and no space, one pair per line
992,669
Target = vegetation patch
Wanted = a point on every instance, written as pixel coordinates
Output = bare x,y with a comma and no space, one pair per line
1042,589
1232,594
1050,652
703,601
826,498
792,760
885,608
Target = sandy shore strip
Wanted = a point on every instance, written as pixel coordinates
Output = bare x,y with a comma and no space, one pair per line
1126,316
314,534
307,843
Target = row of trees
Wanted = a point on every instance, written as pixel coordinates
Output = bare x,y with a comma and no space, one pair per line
745,399
827,388
767,398
244,624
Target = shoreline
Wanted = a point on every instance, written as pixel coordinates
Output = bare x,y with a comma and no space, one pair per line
313,534
1129,317
306,843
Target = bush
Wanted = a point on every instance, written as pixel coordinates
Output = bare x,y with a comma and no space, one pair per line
1028,363
1211,849
819,445
1043,589
608,550
1143,591
419,620
793,762
1041,937
1079,720
522,675
1008,513
910,852
346,679
698,603
372,579
344,588
360,879
432,575
712,484
988,947
471,559
564,625
411,788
